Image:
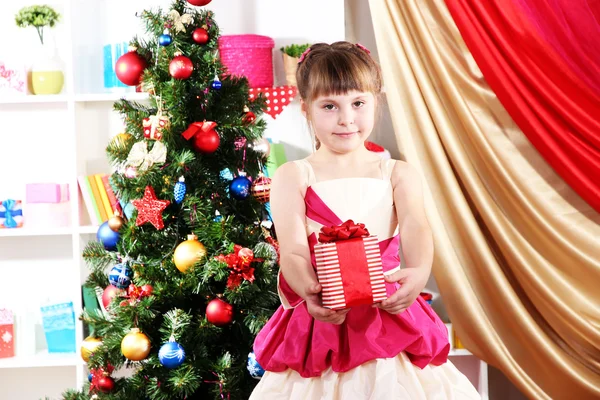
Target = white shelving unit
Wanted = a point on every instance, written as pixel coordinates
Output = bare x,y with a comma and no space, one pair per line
64,136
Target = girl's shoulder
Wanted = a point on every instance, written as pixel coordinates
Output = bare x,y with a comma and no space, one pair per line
404,174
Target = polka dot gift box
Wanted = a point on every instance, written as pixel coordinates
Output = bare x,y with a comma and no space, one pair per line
7,339
277,98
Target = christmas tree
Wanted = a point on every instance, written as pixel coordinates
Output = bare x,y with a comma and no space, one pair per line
188,272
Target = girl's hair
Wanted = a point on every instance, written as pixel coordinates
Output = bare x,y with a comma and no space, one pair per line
337,68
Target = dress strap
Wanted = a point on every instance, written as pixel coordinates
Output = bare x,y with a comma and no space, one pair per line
387,167
307,171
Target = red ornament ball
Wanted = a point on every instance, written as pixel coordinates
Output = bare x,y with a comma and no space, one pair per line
206,142
129,68
199,2
261,189
219,312
106,384
110,292
181,67
200,36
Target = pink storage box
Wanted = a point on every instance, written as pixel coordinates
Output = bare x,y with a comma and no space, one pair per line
46,192
7,334
250,56
47,215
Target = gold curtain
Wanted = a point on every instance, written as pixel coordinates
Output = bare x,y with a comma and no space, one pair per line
517,250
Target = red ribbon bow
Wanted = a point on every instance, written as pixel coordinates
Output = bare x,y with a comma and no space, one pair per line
345,231
239,261
195,127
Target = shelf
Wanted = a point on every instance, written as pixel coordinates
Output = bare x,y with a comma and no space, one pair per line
110,97
43,359
28,99
460,352
88,229
13,232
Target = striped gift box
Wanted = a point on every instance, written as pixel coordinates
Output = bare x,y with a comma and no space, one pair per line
350,272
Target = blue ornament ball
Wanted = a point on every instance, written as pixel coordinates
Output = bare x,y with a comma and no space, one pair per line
171,354
165,39
216,84
254,368
108,237
90,377
120,276
240,187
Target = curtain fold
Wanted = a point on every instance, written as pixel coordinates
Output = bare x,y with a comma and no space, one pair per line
557,111
516,249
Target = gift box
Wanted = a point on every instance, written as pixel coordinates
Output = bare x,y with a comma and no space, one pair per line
59,327
46,192
349,266
48,215
11,214
7,337
12,80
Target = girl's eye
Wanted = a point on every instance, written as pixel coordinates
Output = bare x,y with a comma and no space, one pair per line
358,104
328,107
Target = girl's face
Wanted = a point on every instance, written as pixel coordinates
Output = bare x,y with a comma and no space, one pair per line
342,122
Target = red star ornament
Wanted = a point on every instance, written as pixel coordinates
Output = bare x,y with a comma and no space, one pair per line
150,209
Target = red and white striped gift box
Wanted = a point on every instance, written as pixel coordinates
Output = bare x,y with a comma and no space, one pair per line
350,272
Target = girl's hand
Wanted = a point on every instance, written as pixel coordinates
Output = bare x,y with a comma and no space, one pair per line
412,281
313,304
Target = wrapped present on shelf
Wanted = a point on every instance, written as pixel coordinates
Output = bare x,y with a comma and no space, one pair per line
12,80
349,266
11,214
59,327
277,98
46,192
7,335
48,215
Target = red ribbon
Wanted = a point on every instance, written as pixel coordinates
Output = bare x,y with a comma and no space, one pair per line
195,127
345,231
220,386
239,261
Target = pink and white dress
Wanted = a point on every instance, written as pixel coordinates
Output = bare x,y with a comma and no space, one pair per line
373,354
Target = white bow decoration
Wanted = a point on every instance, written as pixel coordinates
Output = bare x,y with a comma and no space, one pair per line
142,159
180,20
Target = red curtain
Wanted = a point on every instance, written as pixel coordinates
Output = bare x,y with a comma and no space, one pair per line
543,60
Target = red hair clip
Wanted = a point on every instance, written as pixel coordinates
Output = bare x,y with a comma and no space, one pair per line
303,55
360,46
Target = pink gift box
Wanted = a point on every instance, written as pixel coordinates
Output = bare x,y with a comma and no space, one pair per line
12,80
46,193
7,338
48,215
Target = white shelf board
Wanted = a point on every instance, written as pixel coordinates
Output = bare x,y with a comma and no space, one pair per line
88,229
43,359
110,97
25,231
28,99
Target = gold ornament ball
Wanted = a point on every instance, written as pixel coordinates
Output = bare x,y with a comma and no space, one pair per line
121,139
115,223
135,346
88,346
188,253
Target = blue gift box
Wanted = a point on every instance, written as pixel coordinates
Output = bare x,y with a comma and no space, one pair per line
112,52
11,214
59,327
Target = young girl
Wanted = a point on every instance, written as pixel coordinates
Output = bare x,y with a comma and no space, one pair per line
398,348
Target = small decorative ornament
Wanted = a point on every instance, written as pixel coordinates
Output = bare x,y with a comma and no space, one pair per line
130,172
180,190
120,140
120,276
240,263
142,159
171,354
130,67
179,21
200,36
110,292
261,188
240,187
216,83
219,312
90,377
188,253
108,237
249,116
165,39
181,67
116,222
199,2
106,384
262,147
206,139
89,345
150,208
155,125
11,214
254,368
135,346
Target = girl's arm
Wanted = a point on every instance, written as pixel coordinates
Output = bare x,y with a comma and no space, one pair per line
288,211
416,236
